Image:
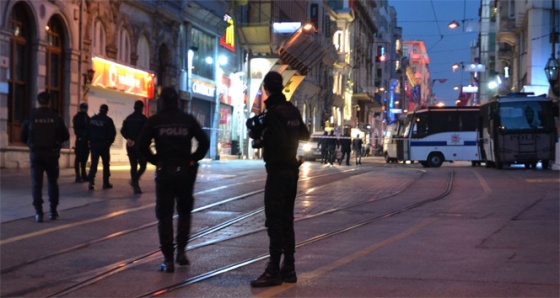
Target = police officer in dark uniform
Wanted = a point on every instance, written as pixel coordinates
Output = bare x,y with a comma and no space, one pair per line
81,130
102,133
283,129
176,169
345,144
44,132
130,130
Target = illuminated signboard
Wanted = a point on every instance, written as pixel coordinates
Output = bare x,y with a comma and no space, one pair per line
203,88
111,75
228,39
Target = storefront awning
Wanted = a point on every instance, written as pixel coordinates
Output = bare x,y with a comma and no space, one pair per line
302,51
255,38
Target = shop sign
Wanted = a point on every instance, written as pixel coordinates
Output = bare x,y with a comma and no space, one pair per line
111,75
203,88
228,39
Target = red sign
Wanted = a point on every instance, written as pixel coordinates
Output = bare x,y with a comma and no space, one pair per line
111,75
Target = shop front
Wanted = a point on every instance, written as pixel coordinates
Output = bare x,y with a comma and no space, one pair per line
118,86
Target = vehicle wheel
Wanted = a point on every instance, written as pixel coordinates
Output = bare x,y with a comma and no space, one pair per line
545,164
474,163
424,163
387,159
489,164
499,165
435,160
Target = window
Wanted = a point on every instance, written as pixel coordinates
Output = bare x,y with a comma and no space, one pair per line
19,97
124,47
54,63
98,39
202,64
143,52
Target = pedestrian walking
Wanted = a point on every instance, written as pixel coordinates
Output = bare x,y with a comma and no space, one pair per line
283,129
345,144
81,145
131,128
44,132
176,169
357,145
102,133
331,147
324,150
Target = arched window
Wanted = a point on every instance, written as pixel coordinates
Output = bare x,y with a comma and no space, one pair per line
124,47
98,39
55,64
143,51
19,95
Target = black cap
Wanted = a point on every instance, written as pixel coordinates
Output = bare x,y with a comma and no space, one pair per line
43,97
169,97
104,108
84,105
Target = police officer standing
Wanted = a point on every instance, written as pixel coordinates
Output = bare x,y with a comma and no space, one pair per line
81,130
130,130
44,132
345,144
283,129
102,133
176,169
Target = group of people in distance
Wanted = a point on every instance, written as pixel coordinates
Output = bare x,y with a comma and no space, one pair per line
331,144
173,131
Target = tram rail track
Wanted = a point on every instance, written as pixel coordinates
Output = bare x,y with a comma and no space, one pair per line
98,275
136,260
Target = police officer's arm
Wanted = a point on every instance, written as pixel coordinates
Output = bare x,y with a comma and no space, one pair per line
143,143
203,142
112,131
63,134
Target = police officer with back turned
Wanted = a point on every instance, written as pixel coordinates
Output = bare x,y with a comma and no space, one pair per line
130,130
176,169
81,129
283,129
44,132
102,133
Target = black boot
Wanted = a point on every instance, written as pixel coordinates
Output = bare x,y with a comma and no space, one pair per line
107,185
53,215
39,217
288,269
181,258
167,266
270,277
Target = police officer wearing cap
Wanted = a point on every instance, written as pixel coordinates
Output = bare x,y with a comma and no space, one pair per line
283,129
81,146
130,130
102,133
44,132
176,169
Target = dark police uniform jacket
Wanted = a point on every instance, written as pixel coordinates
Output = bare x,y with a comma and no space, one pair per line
284,128
102,130
81,126
44,131
172,131
132,125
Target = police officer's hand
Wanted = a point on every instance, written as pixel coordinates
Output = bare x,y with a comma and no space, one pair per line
130,142
192,163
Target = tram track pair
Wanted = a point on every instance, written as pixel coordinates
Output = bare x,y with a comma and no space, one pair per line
135,260
99,275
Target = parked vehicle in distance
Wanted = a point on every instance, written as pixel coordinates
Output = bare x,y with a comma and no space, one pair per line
390,142
518,128
437,134
309,150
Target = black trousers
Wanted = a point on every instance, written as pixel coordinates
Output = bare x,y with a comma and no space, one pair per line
44,161
279,199
100,150
345,153
174,185
136,160
82,154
